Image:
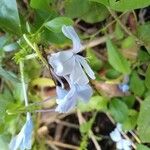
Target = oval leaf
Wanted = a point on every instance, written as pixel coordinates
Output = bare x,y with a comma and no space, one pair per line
56,24
9,18
116,59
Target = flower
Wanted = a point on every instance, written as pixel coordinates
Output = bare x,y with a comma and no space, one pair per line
121,143
69,62
67,100
123,87
23,139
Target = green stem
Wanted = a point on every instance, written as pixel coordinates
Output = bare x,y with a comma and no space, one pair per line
124,27
23,83
35,48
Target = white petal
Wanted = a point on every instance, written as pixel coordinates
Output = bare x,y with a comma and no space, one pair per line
62,62
68,102
115,135
85,65
126,144
70,33
119,145
78,76
84,92
119,127
61,93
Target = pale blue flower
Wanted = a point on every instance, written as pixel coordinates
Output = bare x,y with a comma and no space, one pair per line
23,140
69,62
124,87
121,143
67,100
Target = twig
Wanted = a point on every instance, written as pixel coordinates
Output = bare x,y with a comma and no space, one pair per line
64,145
71,125
91,135
97,41
124,27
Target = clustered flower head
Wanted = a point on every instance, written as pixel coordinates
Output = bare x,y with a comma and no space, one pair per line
75,70
121,143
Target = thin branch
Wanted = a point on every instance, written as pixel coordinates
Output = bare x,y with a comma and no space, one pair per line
91,135
64,145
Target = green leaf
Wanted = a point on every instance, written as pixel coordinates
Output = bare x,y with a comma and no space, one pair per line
147,78
9,17
96,103
90,12
8,75
118,110
136,84
40,4
144,121
95,13
105,2
56,24
119,34
131,121
124,5
94,62
142,147
116,59
52,37
143,33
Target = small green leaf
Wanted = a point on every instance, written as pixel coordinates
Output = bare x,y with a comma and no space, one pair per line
116,59
89,11
94,62
131,121
143,33
9,17
118,110
124,5
144,121
56,24
136,84
119,34
142,147
96,103
147,78
40,4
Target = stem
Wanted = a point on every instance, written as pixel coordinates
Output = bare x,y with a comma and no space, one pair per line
124,27
35,48
23,83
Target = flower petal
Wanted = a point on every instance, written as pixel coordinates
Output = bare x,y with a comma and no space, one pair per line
78,76
85,65
115,135
84,92
68,102
61,93
62,62
23,140
70,33
124,144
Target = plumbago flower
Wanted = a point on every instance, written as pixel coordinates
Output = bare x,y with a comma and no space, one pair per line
121,143
67,100
72,67
124,87
69,62
23,140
